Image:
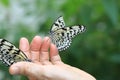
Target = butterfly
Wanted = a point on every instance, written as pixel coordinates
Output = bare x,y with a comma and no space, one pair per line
9,54
61,35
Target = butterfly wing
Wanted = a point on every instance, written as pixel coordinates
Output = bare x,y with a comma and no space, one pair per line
59,23
62,37
74,30
9,54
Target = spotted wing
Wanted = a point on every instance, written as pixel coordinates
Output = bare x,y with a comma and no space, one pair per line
62,37
59,23
9,54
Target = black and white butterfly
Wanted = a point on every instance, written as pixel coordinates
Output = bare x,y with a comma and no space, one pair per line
9,54
61,35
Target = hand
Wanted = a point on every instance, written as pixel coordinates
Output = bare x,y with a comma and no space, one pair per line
47,64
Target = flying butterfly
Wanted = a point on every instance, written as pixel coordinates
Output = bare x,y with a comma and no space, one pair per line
61,35
9,54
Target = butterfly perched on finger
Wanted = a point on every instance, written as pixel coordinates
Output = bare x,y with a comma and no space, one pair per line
62,35
10,54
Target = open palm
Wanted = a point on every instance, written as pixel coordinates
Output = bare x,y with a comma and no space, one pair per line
46,63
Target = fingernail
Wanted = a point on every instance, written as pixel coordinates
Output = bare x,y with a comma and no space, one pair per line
37,36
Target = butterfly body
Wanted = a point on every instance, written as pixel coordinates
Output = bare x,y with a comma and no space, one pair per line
9,54
61,35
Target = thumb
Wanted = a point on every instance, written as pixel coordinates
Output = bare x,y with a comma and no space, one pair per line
26,68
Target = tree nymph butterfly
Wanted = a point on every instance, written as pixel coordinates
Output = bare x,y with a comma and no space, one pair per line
9,54
62,36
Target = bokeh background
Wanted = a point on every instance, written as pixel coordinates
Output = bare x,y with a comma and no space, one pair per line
96,51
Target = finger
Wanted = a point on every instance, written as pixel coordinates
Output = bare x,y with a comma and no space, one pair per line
32,78
31,70
35,48
54,56
44,51
24,46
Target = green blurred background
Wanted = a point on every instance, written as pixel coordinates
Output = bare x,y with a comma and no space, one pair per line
97,51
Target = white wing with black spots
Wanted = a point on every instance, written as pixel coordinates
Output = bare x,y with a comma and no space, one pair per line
9,54
59,23
62,36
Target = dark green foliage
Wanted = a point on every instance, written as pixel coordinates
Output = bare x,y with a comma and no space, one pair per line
96,51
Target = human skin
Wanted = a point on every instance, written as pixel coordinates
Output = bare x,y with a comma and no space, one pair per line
46,63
